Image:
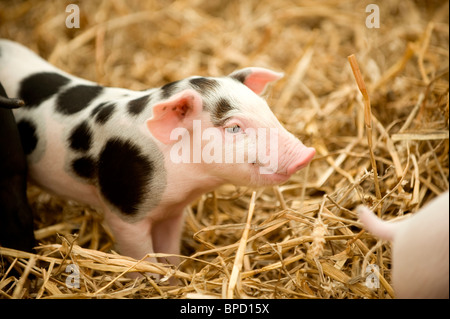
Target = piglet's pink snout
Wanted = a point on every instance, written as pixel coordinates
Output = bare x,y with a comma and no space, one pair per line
302,157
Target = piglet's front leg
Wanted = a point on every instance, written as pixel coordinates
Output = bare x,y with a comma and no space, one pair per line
131,239
137,239
166,235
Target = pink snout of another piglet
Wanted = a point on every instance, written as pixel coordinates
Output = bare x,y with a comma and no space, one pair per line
420,249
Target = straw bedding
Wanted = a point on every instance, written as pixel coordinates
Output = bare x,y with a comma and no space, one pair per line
297,240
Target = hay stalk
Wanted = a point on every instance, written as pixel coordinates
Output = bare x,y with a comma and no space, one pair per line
241,250
367,120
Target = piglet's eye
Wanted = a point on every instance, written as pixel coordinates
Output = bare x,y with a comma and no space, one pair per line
233,129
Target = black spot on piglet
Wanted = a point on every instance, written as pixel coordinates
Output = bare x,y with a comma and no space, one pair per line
123,175
80,138
204,85
38,87
168,89
28,136
84,167
136,106
98,108
77,98
103,112
222,107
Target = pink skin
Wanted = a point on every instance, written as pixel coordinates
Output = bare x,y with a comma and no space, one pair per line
292,154
420,247
160,231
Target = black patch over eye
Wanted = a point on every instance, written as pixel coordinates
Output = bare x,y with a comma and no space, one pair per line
123,175
80,138
77,98
222,107
38,87
28,136
136,106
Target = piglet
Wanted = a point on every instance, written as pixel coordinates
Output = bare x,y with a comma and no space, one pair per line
142,156
420,246
16,218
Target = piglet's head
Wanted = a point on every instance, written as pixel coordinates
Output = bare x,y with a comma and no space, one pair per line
279,154
223,128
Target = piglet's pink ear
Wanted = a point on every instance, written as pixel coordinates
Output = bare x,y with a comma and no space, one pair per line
178,111
256,78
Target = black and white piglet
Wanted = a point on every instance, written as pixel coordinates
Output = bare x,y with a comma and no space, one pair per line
142,156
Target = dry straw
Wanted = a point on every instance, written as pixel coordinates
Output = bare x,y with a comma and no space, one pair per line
296,240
